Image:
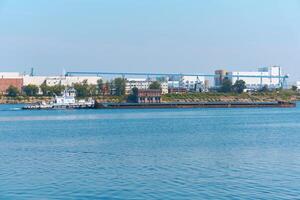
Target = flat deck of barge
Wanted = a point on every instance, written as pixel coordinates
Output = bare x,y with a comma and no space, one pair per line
275,104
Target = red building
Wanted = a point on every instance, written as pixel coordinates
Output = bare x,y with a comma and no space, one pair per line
177,90
6,82
149,96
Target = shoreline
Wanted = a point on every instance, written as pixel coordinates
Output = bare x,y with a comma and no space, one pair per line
188,100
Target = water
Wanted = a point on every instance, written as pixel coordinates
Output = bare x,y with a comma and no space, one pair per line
150,154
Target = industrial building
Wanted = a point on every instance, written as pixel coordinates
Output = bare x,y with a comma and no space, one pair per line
188,83
177,81
219,77
266,76
193,83
19,80
298,85
143,84
149,96
273,77
59,80
10,79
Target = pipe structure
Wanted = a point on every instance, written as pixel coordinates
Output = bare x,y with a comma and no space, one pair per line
170,74
134,74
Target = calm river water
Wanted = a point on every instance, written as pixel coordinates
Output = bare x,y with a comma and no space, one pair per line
150,154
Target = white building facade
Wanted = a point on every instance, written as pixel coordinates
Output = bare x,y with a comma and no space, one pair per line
59,80
193,83
298,85
10,75
269,76
143,84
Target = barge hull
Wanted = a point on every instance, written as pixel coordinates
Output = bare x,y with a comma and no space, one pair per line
196,105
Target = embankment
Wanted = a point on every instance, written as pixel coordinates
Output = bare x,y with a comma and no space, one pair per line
282,96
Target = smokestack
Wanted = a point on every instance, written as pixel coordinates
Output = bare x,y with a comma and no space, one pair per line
32,72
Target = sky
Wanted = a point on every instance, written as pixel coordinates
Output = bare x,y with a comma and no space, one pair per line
184,36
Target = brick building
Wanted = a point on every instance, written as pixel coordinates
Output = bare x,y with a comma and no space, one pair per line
8,79
149,96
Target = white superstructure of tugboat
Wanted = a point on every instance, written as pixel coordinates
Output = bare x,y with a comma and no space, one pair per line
66,101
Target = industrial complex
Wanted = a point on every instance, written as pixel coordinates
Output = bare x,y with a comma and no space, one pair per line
272,77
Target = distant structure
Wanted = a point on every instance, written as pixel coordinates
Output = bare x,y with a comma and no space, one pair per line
19,80
177,90
143,84
298,85
58,80
193,83
169,81
272,77
10,79
149,96
219,77
32,72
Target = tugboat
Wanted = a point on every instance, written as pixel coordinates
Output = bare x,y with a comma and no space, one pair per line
66,101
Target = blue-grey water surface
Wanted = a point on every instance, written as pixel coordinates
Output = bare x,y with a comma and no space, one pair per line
150,154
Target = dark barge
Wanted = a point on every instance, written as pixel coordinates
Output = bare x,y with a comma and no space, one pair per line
275,104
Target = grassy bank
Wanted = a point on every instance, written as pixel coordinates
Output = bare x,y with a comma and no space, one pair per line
233,97
23,99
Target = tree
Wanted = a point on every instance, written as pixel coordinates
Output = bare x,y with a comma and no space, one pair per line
82,89
85,90
12,91
226,86
31,90
111,87
133,97
100,86
119,86
239,86
92,90
107,88
52,90
155,85
265,88
57,89
45,89
294,88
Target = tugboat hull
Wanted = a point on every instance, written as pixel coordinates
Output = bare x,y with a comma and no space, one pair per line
59,107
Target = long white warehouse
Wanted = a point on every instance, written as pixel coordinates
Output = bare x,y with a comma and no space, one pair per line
267,76
55,80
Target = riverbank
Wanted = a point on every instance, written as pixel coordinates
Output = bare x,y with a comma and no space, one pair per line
282,96
23,100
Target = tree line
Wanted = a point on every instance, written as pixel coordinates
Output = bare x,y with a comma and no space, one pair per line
239,87
227,86
115,87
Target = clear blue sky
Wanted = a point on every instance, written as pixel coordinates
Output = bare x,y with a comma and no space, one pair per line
149,35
